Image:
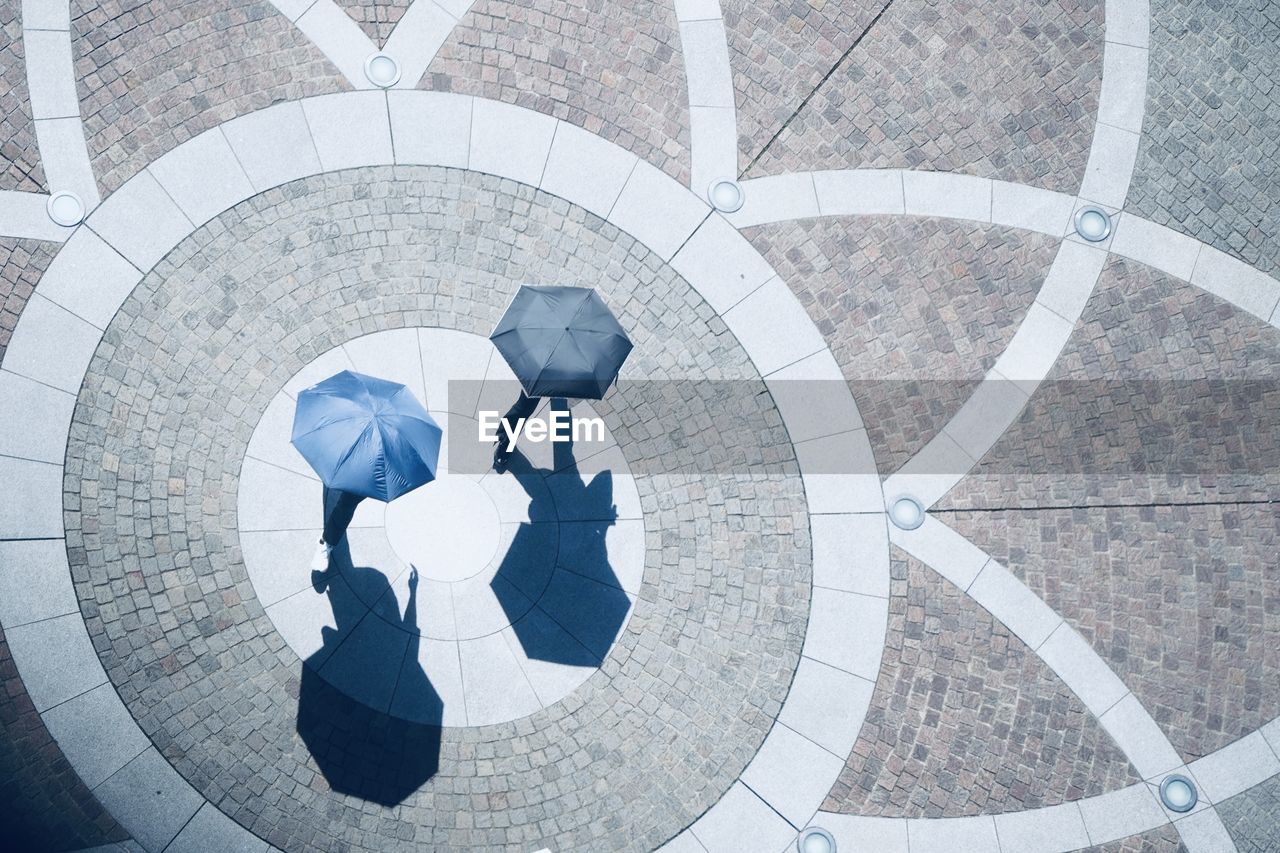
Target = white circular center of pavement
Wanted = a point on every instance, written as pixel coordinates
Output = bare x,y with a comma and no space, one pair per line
448,529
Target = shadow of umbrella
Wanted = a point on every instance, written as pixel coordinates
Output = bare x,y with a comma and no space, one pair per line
580,605
362,751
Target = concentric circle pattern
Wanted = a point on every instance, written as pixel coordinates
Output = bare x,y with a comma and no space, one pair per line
477,598
158,457
934,510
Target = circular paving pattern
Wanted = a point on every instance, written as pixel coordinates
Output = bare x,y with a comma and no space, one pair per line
503,591
157,537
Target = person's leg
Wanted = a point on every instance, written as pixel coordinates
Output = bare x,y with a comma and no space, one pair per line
340,508
521,409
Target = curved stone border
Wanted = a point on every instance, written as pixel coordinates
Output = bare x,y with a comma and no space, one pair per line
414,41
713,117
55,105
60,329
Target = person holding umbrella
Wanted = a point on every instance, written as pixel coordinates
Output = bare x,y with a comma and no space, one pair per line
559,341
365,438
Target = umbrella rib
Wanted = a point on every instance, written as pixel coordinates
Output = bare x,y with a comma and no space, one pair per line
328,424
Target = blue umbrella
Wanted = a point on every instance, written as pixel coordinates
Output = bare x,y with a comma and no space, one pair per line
561,342
366,435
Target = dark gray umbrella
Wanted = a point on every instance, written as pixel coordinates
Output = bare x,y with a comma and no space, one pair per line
561,342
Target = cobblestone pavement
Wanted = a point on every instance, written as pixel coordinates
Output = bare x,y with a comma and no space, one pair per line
1208,163
1002,90
689,690
1163,393
46,805
610,66
376,17
1253,818
152,75
19,159
1136,494
966,719
1162,840
1179,600
22,262
915,311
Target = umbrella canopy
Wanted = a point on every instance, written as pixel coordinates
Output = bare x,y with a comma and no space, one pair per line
561,342
366,435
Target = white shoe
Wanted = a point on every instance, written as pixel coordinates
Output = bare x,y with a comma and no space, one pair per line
320,562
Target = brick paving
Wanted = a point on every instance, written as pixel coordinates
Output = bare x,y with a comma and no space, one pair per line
1209,161
20,167
1181,601
914,310
655,737
152,75
1253,818
966,719
376,17
45,805
1161,840
1164,392
22,262
1006,89
610,66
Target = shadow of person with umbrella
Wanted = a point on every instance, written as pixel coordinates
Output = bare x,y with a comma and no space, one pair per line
580,604
366,438
363,751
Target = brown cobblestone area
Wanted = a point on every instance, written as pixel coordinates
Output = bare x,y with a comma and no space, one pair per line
687,693
1209,161
22,262
20,167
778,52
43,803
1128,416
908,299
1252,817
1182,601
1005,89
376,17
153,74
610,66
1164,839
966,719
